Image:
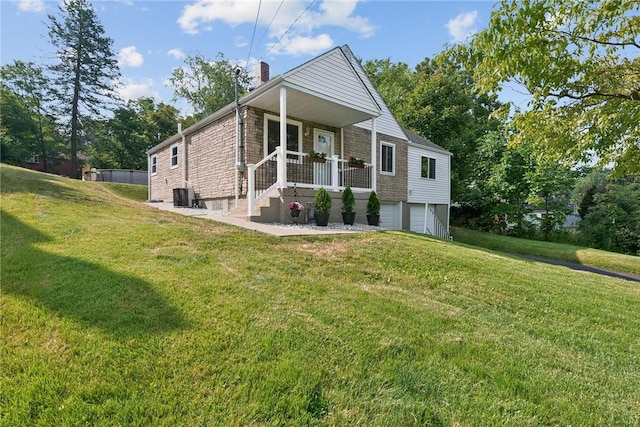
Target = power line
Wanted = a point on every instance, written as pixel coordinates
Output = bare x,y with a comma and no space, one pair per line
288,29
271,22
255,25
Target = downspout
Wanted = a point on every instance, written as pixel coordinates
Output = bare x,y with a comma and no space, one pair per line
239,143
184,156
148,176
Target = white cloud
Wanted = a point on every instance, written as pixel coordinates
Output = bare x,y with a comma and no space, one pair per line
240,42
31,5
177,53
130,57
201,15
300,45
462,26
132,89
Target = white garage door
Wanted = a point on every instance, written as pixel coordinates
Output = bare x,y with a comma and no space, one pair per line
416,218
391,216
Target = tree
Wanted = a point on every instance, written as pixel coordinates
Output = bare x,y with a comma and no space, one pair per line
87,68
445,107
612,223
579,60
551,184
29,129
207,85
121,141
394,82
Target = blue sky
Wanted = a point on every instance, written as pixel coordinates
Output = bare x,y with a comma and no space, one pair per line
152,37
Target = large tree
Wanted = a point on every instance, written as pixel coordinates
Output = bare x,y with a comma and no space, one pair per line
579,60
29,128
87,69
208,85
445,107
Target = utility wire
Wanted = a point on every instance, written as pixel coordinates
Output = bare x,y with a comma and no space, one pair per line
255,25
288,29
271,22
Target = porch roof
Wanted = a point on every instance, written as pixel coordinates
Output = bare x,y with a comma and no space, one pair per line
326,90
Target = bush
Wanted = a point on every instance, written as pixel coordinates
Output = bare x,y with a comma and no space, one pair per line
373,204
322,201
348,200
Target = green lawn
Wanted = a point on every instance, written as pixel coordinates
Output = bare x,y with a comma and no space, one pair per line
114,313
577,254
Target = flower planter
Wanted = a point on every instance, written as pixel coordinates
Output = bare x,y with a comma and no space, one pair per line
373,219
322,219
356,165
348,218
317,160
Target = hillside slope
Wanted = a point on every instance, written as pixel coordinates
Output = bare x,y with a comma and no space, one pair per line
115,313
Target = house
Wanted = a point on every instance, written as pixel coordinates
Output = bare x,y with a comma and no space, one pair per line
233,161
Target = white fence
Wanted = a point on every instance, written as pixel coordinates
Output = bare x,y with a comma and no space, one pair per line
124,176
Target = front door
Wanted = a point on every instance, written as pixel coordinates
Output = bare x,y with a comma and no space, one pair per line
323,143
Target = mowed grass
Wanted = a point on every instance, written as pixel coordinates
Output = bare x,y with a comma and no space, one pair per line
559,251
114,313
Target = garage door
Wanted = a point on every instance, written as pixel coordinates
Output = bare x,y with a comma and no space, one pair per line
391,216
416,221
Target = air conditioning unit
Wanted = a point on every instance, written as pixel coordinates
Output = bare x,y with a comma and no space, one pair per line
181,197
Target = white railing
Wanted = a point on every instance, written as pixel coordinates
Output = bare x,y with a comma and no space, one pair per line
302,171
437,229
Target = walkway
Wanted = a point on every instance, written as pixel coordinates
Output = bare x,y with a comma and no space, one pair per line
279,230
579,267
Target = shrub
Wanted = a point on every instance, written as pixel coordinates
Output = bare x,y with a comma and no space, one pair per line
348,201
373,204
322,201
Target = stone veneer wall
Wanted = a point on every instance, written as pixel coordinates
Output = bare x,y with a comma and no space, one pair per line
390,188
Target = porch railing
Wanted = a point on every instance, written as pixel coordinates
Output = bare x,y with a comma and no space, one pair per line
301,170
437,229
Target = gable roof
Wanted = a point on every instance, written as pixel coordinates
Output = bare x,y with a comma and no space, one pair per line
420,140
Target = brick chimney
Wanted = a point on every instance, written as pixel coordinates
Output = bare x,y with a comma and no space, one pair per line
262,73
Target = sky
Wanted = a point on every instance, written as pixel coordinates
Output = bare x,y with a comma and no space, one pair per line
151,38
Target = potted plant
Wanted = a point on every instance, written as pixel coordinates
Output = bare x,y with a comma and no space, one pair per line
356,162
373,209
315,156
294,209
348,203
322,203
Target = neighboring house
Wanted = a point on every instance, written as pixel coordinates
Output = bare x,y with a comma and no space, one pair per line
58,165
233,161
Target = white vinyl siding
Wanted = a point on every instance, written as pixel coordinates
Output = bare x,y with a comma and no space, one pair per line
174,156
386,123
332,77
425,190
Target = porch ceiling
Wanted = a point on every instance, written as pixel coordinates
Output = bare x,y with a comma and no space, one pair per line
312,107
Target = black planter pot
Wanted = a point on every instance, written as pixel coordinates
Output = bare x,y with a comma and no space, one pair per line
373,219
322,220
348,218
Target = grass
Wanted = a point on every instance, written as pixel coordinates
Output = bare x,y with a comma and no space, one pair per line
115,313
563,252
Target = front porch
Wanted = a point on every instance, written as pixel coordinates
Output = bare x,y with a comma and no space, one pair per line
301,171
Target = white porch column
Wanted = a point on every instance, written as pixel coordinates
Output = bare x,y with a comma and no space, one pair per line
374,157
282,154
335,164
251,189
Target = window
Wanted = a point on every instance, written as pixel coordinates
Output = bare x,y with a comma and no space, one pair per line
387,158
154,164
174,156
428,168
272,136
